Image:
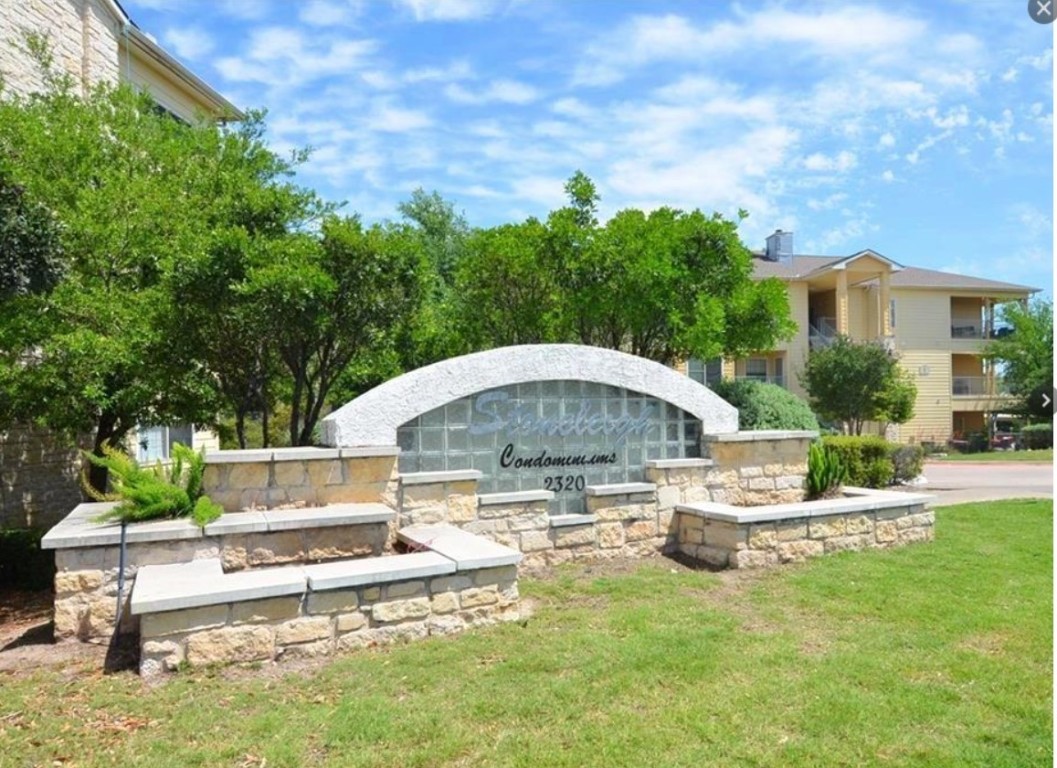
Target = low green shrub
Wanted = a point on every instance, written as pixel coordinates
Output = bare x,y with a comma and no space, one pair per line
1036,436
148,494
765,406
23,564
825,472
877,473
907,461
858,453
977,443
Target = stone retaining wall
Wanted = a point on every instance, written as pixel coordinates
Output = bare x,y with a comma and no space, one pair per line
86,578
705,535
308,477
325,622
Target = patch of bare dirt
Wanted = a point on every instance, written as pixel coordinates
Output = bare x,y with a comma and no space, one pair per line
27,641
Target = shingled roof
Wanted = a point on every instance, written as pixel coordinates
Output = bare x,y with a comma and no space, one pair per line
908,277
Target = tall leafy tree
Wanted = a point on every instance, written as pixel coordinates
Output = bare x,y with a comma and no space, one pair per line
666,285
137,194
505,293
856,382
333,301
30,245
1025,356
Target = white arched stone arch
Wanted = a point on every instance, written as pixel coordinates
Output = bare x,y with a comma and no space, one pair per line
373,417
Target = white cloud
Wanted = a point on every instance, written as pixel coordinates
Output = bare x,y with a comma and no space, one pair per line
826,204
1010,75
189,42
841,32
248,10
457,70
888,176
280,56
393,119
929,142
329,13
956,117
887,140
841,162
502,91
449,10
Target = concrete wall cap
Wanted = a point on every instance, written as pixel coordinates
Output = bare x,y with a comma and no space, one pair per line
856,500
760,435
450,476
513,497
620,489
565,521
373,417
678,463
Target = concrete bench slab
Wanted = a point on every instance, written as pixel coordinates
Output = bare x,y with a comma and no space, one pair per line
855,500
467,550
377,570
202,582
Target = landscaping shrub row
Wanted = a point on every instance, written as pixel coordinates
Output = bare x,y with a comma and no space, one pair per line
1036,436
765,406
873,462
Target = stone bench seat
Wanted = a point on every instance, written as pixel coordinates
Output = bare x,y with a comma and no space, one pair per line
854,500
465,549
79,528
202,582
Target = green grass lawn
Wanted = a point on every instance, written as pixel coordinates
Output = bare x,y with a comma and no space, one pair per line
1041,454
933,655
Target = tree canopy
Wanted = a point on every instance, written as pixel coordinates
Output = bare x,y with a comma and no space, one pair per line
666,285
854,382
1026,356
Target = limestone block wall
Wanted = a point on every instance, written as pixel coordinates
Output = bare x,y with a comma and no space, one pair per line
624,520
82,34
306,477
39,480
325,622
87,576
761,467
715,536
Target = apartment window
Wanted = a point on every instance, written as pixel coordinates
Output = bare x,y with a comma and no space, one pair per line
705,372
154,443
779,371
892,312
756,368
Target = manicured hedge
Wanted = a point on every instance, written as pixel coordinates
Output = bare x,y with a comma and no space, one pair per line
765,406
1037,436
873,462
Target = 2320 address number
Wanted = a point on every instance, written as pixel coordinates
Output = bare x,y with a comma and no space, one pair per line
559,483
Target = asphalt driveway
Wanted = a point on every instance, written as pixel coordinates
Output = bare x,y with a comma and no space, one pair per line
958,482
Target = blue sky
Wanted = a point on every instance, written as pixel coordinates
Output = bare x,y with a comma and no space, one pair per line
923,130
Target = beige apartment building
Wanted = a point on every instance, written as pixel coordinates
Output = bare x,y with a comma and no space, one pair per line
93,41
937,323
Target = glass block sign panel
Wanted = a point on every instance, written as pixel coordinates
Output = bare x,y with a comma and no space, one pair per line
560,436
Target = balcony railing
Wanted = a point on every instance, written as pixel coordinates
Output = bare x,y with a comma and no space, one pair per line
978,386
966,331
822,331
779,380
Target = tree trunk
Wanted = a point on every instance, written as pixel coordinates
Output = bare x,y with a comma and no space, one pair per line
106,434
240,427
